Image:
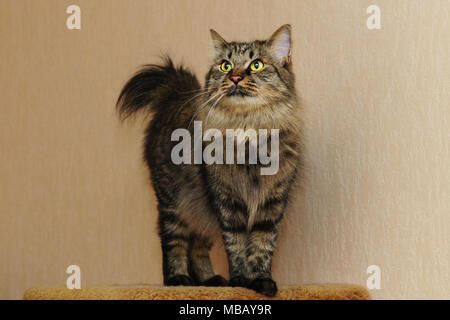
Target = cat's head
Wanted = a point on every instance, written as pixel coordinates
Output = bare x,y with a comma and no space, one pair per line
253,73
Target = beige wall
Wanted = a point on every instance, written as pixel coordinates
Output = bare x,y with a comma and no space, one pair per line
74,190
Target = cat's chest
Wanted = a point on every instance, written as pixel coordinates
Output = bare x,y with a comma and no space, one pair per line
243,182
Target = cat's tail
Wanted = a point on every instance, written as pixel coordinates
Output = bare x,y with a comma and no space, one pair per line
156,88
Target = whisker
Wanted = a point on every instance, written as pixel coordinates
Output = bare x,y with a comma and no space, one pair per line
191,91
211,108
201,108
196,96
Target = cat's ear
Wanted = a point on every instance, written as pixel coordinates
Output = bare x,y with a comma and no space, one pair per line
280,44
218,42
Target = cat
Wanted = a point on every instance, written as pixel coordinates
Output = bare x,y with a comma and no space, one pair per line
250,85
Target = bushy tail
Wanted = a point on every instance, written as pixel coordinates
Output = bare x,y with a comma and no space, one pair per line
156,88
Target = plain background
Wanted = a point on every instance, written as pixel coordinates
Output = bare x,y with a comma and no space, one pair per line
74,189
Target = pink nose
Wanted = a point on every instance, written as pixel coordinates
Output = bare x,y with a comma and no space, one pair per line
235,79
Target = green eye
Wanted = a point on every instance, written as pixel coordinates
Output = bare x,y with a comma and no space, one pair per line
256,65
225,66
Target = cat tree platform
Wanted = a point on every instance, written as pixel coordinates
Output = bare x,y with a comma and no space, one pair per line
304,292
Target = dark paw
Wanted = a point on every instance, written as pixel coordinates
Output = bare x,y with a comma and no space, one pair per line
216,281
238,281
266,286
180,280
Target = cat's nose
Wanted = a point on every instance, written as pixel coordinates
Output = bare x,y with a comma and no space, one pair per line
235,79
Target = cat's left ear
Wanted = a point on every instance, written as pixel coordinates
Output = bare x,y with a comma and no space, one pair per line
280,44
218,42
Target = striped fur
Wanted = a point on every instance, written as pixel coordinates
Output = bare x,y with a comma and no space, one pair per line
198,203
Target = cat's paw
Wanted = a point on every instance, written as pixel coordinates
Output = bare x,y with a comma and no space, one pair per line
266,286
238,281
180,280
216,281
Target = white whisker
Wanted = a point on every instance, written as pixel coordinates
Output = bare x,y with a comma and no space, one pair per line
201,108
210,109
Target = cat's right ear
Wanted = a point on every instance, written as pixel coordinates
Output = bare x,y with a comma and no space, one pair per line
280,44
218,42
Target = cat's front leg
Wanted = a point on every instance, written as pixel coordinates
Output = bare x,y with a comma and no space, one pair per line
233,223
261,246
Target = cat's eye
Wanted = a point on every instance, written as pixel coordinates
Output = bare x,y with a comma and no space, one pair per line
225,66
256,65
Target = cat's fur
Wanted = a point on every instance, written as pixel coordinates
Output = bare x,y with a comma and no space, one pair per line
197,203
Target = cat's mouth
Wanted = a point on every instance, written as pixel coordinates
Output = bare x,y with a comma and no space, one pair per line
238,91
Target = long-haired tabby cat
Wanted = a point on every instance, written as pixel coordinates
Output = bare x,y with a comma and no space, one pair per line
250,85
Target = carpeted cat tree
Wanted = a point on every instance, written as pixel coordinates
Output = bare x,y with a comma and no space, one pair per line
305,292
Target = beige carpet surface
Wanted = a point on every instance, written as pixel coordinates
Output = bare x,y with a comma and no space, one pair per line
304,292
